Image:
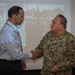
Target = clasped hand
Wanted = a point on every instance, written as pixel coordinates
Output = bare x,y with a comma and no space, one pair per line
34,54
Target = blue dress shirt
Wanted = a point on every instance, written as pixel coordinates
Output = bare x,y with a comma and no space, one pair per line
10,44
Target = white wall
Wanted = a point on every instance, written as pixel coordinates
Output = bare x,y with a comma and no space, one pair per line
73,16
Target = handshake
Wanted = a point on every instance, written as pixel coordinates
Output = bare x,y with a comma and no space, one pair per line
34,54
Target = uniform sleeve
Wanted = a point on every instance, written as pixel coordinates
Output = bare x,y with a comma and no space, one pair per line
40,47
69,55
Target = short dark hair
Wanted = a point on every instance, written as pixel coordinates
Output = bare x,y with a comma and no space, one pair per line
14,10
63,20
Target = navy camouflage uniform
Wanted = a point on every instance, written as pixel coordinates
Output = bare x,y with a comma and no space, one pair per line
57,51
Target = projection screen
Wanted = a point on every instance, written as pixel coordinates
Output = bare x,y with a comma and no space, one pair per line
37,19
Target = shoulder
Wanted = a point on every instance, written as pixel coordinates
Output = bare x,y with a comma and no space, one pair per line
48,33
6,31
70,36
47,36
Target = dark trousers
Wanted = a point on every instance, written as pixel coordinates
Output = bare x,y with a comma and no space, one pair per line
73,71
10,67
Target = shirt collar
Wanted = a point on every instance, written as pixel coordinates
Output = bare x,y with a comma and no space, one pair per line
12,25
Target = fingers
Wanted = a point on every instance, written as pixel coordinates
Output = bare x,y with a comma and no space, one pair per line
23,65
34,54
54,69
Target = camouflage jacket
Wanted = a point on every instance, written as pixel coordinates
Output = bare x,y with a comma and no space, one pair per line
57,51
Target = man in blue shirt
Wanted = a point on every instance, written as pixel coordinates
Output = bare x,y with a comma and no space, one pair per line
11,54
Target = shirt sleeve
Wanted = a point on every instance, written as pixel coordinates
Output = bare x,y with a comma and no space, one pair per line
13,47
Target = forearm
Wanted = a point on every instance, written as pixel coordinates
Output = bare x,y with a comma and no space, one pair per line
15,52
39,53
64,66
67,63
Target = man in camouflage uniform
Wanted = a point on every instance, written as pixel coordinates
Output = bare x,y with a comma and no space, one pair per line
58,49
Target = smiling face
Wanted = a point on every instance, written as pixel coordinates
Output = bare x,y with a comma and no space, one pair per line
56,25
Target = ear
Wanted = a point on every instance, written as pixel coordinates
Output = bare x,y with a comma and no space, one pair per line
62,26
14,16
